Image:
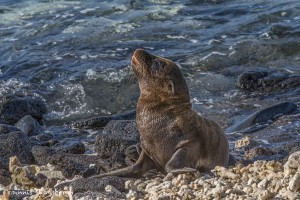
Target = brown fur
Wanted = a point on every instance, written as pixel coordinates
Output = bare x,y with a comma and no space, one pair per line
173,136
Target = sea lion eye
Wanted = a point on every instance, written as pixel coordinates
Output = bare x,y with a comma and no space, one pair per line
156,65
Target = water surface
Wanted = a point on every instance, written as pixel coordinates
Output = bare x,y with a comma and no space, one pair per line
76,54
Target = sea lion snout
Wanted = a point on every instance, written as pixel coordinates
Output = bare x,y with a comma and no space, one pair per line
141,54
141,61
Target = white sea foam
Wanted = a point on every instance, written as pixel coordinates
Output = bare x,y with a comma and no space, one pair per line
176,37
211,54
70,101
87,10
91,74
29,9
114,75
12,86
123,27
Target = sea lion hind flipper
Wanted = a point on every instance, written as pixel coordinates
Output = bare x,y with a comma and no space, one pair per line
142,165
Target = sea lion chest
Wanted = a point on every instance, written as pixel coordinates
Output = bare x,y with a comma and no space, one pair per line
159,134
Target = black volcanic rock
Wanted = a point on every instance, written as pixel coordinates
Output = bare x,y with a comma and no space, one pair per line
116,137
29,126
13,108
15,143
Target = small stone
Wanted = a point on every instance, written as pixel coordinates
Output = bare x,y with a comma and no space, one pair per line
169,177
294,160
274,166
13,162
247,189
166,185
59,197
263,194
287,194
110,188
258,152
291,166
245,142
294,184
129,185
51,182
263,183
225,173
235,191
132,195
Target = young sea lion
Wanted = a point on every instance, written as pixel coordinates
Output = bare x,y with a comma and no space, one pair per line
173,136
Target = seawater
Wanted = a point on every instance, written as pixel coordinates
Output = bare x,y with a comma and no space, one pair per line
76,54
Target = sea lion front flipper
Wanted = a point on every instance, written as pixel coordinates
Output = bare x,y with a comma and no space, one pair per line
143,164
177,161
132,153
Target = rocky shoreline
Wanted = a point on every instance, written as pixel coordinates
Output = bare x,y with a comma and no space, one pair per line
261,180
36,163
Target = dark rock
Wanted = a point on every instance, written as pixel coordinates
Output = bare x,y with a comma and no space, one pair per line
3,165
264,115
68,167
29,126
15,143
69,164
268,81
52,142
42,154
69,146
258,153
42,140
278,31
116,137
232,161
77,164
51,182
13,108
5,177
251,80
4,129
95,184
100,122
283,137
99,195
40,180
290,146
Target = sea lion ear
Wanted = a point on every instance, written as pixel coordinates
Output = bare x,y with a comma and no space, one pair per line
171,86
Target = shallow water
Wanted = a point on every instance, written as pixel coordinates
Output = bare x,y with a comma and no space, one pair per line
76,54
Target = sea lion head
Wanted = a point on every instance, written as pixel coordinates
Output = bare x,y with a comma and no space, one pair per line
159,77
